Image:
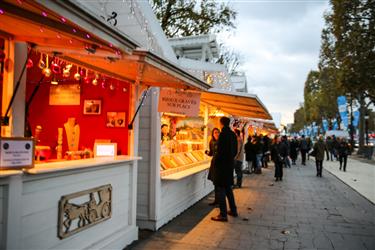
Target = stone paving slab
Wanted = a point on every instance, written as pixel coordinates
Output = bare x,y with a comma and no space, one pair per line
359,175
301,212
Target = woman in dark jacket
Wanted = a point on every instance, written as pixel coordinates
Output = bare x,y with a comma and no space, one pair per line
212,152
343,152
250,155
276,158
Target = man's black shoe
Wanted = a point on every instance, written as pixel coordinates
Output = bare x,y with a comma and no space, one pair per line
219,218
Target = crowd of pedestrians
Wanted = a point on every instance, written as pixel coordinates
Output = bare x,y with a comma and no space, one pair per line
230,153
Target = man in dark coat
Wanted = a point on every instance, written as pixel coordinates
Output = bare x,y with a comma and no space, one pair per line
319,149
294,150
304,147
223,170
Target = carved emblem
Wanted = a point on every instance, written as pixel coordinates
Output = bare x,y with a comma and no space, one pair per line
84,209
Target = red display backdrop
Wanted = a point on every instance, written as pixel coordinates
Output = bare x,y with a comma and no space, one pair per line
92,127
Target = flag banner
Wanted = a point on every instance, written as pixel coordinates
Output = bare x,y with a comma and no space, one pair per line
342,105
356,118
325,125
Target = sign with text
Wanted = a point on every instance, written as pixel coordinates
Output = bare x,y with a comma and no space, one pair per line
179,102
69,94
16,153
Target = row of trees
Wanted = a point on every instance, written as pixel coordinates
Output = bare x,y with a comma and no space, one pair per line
346,64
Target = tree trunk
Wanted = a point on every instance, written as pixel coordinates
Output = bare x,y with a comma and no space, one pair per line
362,110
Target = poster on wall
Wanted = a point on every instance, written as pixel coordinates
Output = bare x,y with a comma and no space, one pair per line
65,94
179,102
92,107
16,153
116,119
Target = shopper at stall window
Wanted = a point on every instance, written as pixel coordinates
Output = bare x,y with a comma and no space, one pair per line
277,158
223,170
266,151
250,155
239,159
213,152
343,151
318,151
165,133
258,149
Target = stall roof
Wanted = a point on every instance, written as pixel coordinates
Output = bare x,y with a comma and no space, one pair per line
236,103
84,45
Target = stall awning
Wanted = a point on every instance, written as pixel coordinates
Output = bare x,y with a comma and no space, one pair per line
236,103
92,44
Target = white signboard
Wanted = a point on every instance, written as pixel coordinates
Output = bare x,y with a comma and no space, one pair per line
179,102
69,94
16,153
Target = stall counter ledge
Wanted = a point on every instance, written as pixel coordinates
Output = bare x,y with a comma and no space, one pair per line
42,168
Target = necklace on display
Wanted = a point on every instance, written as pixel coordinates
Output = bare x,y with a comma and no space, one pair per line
72,134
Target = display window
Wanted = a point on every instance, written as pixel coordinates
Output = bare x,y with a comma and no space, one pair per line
184,140
70,108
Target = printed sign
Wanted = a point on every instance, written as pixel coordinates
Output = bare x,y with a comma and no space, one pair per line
179,102
69,94
16,153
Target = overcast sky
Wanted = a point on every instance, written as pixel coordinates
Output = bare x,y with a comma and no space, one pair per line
279,41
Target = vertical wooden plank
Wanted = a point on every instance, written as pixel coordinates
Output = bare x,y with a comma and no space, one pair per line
13,213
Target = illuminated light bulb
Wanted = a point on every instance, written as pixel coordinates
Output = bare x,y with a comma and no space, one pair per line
124,89
47,71
74,30
88,36
112,87
70,41
77,76
95,82
44,14
63,19
1,12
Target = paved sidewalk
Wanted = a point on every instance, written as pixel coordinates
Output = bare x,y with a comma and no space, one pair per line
359,175
301,212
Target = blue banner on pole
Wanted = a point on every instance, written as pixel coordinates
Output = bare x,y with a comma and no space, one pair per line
335,125
356,118
342,105
325,125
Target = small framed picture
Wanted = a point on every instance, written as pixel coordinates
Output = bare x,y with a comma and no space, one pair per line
116,119
92,107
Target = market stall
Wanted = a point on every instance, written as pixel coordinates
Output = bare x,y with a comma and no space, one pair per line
76,89
175,178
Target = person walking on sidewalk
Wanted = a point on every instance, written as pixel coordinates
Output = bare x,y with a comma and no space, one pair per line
223,170
277,159
304,149
330,152
266,151
284,151
239,159
294,150
318,151
343,151
213,153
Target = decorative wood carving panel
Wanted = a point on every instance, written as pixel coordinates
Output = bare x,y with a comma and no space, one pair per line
81,210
